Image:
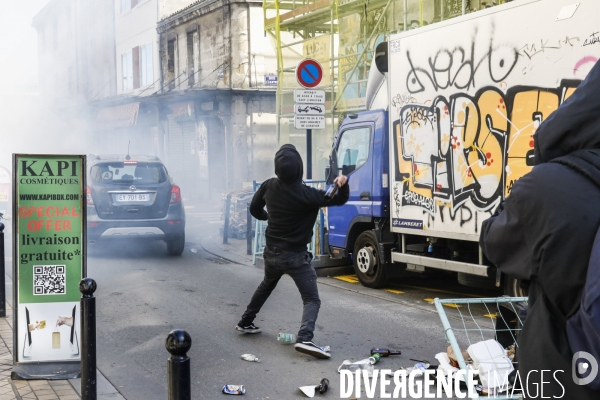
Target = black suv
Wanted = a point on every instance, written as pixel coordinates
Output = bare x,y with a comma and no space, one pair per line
133,197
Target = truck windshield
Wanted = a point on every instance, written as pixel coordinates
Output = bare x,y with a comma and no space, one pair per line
353,149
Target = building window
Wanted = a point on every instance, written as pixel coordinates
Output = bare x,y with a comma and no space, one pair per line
127,71
127,5
193,50
146,70
171,64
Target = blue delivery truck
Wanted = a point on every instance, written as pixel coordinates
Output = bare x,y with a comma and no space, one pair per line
451,113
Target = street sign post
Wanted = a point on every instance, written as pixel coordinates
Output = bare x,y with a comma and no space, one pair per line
309,110
49,247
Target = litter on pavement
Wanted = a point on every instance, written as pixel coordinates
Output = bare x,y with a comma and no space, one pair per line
234,389
250,357
452,356
358,365
490,359
310,390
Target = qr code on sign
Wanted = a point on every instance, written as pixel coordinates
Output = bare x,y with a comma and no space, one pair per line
49,279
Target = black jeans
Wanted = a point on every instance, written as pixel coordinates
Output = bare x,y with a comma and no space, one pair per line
299,268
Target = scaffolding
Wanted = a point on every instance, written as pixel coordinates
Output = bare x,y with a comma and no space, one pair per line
342,36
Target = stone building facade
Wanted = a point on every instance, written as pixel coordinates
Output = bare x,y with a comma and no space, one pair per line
217,109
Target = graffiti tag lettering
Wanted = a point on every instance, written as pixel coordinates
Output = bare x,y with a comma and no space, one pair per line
593,39
457,67
467,147
531,50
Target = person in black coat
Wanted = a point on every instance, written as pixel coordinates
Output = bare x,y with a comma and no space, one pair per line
543,235
292,209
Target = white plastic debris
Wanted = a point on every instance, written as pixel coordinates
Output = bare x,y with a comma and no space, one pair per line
193,250
362,365
309,391
250,357
489,357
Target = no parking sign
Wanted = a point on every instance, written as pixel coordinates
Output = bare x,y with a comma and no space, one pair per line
309,73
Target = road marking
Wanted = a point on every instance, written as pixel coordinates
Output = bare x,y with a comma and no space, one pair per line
451,305
441,291
492,316
394,291
347,278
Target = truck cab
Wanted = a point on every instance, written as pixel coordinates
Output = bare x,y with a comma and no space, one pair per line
361,152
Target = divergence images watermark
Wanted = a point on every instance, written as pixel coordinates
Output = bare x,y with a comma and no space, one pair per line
433,384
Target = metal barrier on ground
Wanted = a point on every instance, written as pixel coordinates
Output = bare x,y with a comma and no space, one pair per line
317,244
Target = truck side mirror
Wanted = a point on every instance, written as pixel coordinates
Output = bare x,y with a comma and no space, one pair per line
381,57
347,169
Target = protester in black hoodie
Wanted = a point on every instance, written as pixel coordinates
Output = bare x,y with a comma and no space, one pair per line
292,211
543,235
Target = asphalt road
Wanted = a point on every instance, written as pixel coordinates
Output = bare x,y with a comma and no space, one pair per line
143,294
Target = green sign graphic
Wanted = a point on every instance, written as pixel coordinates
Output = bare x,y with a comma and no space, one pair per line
49,214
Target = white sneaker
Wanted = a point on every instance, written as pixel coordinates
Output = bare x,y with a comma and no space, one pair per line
248,329
312,349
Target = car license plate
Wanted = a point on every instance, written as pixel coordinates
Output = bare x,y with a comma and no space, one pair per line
132,197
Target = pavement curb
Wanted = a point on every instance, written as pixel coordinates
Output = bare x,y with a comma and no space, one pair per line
210,245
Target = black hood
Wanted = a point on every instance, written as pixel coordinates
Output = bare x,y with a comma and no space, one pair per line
575,125
288,164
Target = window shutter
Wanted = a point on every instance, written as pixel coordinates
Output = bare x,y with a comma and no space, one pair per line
136,67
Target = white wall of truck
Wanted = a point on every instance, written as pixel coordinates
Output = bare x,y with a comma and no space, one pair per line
465,99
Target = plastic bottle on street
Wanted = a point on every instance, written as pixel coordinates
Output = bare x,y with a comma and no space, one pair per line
364,365
286,338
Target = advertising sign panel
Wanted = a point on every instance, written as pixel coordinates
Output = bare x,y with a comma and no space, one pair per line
50,256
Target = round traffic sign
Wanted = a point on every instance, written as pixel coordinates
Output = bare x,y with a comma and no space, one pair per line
309,73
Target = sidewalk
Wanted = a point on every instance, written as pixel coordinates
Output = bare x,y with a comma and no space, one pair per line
234,250
39,389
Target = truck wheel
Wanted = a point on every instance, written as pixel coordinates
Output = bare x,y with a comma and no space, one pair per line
476,281
512,287
367,265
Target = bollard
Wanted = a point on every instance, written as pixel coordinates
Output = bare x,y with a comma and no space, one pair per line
178,343
248,230
2,272
89,389
226,224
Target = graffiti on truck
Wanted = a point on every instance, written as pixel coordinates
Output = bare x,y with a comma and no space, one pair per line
470,148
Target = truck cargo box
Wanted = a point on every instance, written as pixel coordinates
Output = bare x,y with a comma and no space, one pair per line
465,99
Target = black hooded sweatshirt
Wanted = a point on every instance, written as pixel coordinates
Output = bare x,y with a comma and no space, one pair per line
544,235
292,206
